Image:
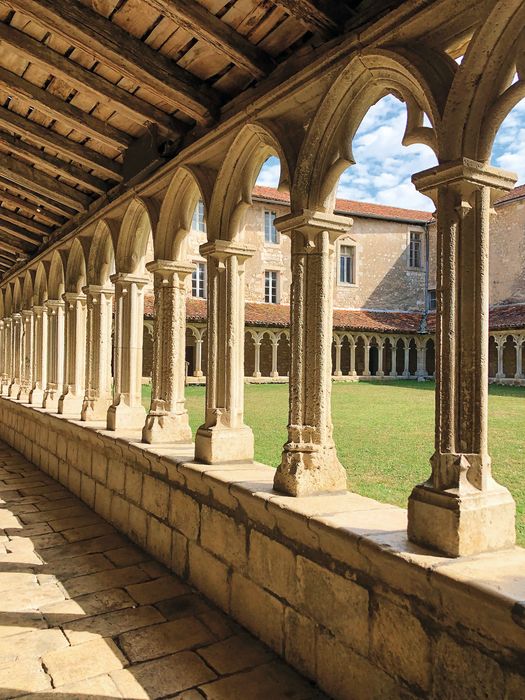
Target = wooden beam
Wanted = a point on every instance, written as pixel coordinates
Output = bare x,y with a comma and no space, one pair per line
37,181
204,25
31,208
11,248
64,112
65,147
124,53
321,16
5,257
55,165
24,222
84,80
39,199
18,233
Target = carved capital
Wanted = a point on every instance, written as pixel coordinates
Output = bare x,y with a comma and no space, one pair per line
167,273
222,250
310,223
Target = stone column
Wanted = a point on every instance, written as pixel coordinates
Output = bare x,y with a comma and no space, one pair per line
421,371
26,378
7,365
167,420
519,340
99,325
461,510
199,340
500,345
393,357
257,339
352,371
275,350
127,412
16,343
224,437
338,348
55,353
40,350
309,461
366,371
72,397
406,367
380,348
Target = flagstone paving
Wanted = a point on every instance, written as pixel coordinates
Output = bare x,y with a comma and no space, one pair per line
85,614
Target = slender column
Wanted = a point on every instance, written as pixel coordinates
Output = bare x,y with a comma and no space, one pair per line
393,357
352,371
309,462
519,340
127,412
72,397
500,345
406,368
99,325
16,342
40,350
2,350
421,371
55,354
8,359
338,347
199,340
257,339
224,437
26,376
461,510
275,350
167,420
366,371
380,348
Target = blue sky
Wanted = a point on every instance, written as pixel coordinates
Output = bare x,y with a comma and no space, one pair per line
383,166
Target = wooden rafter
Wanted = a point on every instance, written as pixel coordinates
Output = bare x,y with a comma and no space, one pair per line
18,233
24,222
30,208
124,53
65,147
84,80
322,16
55,108
51,205
204,25
11,248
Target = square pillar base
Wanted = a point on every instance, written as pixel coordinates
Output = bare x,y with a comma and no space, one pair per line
166,427
122,417
221,444
70,404
306,472
36,397
23,394
14,390
95,409
463,525
51,398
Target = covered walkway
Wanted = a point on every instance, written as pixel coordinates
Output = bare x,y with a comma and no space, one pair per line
85,614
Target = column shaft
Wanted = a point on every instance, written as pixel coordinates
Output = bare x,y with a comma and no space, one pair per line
55,355
393,358
40,352
275,350
338,347
8,365
26,377
16,354
99,324
72,396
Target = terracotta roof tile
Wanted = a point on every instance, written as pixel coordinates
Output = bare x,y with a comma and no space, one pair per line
516,193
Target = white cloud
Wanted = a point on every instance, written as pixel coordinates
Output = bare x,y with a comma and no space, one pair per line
508,150
270,173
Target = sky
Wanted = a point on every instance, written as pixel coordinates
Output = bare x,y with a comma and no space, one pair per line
383,166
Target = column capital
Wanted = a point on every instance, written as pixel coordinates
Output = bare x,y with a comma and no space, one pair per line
97,290
310,223
16,315
126,279
166,271
221,250
72,297
465,176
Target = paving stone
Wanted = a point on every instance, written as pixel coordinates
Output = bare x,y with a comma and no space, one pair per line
11,623
83,661
85,606
111,624
31,644
23,677
235,654
156,590
126,556
183,606
165,638
86,532
103,580
91,546
78,566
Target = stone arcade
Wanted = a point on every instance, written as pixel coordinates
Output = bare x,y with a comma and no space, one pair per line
129,114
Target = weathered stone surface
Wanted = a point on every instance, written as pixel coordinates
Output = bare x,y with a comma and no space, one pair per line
273,566
156,590
184,514
209,575
258,611
23,677
222,536
110,624
235,654
31,644
83,661
164,638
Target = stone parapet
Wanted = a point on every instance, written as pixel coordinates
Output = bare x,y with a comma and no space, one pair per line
329,582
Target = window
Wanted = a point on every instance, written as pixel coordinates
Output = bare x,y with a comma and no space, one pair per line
346,264
415,249
198,222
271,280
431,299
198,281
270,232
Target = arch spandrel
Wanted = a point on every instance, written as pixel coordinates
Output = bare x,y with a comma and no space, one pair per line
8,300
56,277
138,226
40,288
17,295
101,257
28,290
75,277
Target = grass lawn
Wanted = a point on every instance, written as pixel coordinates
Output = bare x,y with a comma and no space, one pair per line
384,434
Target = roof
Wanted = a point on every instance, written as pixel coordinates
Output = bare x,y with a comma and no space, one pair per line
516,193
348,206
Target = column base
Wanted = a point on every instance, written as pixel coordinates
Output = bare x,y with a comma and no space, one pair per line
14,390
393,374
122,417
4,389
95,409
23,394
166,427
36,396
222,444
198,373
304,472
274,375
70,404
51,397
481,521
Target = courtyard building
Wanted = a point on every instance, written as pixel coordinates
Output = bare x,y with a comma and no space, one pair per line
132,135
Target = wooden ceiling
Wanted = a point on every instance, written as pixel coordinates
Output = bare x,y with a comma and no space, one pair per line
83,81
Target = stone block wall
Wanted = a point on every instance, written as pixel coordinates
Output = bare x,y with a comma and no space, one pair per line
328,582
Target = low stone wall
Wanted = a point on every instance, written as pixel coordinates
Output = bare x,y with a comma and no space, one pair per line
329,582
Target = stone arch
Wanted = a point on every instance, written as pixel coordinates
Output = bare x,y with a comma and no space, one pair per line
232,194
421,83
134,237
8,300
101,258
75,278
40,288
27,291
56,284
17,295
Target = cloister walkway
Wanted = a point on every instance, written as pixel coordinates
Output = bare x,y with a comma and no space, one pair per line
85,614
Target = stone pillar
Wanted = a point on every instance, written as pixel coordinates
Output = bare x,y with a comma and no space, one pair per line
257,339
519,340
167,420
338,348
26,378
99,324
127,412
352,371
309,461
406,368
16,343
8,358
199,340
40,351
393,357
224,437
55,353
275,350
500,345
366,371
72,397
380,349
421,371
461,510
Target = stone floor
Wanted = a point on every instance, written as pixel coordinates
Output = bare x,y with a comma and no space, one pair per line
85,614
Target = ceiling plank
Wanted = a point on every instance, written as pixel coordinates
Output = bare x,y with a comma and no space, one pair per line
37,181
64,112
84,80
65,147
24,222
49,216
124,53
55,165
18,233
39,199
11,248
204,25
322,16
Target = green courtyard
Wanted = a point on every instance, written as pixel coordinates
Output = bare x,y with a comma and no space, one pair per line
384,434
